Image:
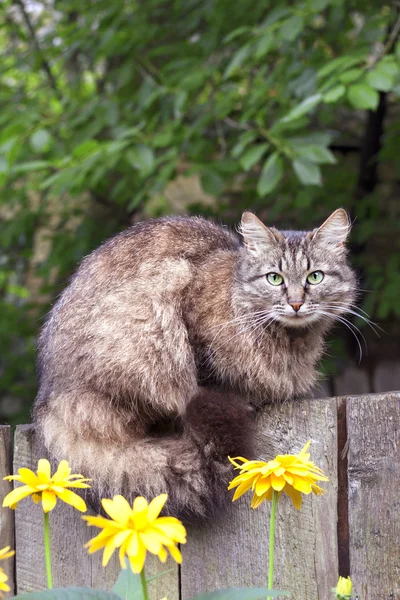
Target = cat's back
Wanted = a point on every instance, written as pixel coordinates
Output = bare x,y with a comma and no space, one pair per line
129,278
143,248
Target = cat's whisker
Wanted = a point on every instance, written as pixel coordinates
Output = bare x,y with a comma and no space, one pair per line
252,326
374,326
350,326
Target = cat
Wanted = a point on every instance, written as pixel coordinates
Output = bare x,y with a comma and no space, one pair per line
168,337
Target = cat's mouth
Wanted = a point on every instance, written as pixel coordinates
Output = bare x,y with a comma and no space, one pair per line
299,319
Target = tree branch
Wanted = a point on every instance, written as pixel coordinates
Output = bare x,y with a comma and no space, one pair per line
45,65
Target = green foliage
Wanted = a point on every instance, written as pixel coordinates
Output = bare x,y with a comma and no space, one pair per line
109,101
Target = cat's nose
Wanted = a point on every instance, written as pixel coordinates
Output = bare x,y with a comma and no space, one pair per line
296,305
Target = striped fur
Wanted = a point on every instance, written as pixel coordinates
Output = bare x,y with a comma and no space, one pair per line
167,334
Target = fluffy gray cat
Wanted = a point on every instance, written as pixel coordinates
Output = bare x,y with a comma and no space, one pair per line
168,333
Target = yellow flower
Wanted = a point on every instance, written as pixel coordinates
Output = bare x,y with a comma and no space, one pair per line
293,474
136,530
4,587
5,553
344,588
42,486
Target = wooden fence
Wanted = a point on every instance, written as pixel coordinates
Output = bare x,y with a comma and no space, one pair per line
354,526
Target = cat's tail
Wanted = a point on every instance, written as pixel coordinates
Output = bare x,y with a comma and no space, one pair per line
192,467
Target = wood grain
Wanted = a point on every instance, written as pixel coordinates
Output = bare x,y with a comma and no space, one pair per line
233,549
72,566
6,514
374,495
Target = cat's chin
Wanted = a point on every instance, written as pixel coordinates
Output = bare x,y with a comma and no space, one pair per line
298,321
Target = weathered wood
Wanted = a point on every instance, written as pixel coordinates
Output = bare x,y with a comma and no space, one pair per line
233,550
72,566
374,497
6,514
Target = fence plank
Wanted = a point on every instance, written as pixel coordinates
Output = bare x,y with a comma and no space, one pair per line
71,563
6,515
233,550
374,501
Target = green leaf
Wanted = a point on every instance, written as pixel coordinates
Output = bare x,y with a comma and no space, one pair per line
307,172
264,45
85,149
40,141
241,594
34,165
212,183
235,33
351,75
338,64
315,138
244,140
141,158
302,108
71,593
362,96
380,80
316,154
334,94
252,156
271,174
128,585
237,60
291,28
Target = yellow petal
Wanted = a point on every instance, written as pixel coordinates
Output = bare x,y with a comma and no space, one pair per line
163,554
151,541
73,499
118,508
62,472
176,555
133,545
263,485
301,484
49,500
294,495
44,470
122,552
120,537
17,494
156,506
28,477
242,489
108,552
36,498
140,508
101,522
4,553
303,452
277,483
137,561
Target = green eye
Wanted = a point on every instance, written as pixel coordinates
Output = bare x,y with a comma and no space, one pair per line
274,279
315,277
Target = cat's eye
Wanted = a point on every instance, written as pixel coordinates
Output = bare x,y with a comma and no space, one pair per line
315,277
274,279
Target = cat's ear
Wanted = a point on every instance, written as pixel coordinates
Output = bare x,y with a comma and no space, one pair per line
335,230
256,236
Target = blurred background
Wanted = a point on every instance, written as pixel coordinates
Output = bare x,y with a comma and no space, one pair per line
116,111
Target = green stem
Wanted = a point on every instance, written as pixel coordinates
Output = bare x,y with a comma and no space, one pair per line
47,549
271,541
144,584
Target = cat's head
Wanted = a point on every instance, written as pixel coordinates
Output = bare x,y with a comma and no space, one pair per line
296,277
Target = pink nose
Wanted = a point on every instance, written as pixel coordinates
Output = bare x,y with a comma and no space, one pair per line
296,305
